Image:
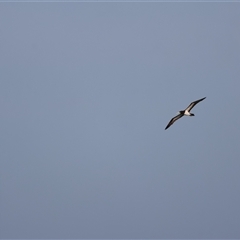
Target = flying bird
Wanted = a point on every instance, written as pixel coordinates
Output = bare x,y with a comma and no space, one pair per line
185,112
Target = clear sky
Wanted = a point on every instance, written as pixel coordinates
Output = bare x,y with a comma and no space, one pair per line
86,90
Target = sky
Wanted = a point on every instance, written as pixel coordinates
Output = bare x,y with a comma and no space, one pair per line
86,92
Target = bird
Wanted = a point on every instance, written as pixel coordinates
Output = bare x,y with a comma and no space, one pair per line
185,112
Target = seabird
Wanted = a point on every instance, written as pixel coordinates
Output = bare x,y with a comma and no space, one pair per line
185,112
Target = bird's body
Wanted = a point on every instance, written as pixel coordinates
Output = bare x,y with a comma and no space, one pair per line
185,112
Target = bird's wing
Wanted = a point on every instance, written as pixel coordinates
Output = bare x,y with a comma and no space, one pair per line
191,105
173,120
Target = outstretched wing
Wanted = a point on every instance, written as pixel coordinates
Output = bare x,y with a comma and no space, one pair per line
174,120
191,105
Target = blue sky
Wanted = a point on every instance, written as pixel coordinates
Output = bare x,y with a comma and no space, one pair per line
86,92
